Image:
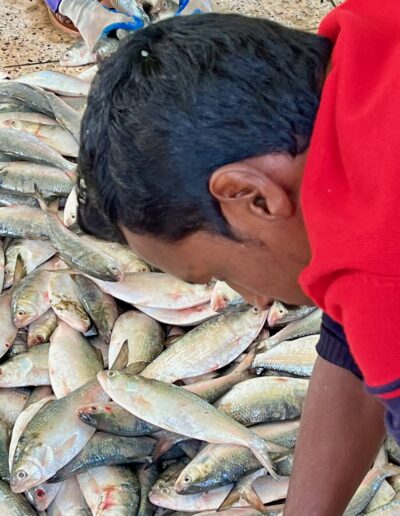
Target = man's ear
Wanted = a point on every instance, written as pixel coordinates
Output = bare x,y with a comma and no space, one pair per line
242,189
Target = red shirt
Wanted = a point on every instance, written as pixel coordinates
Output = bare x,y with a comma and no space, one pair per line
351,189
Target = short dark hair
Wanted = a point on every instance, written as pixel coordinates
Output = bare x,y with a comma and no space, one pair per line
178,100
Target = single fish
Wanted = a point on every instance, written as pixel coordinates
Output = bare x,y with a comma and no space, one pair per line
111,418
268,489
20,344
12,504
102,347
224,297
26,369
147,476
72,360
58,82
215,344
144,336
65,115
368,487
110,490
185,317
107,450
30,298
184,412
66,303
32,252
131,8
20,177
52,438
295,357
54,136
71,209
37,118
219,464
5,437
391,509
69,501
76,252
38,393
41,329
155,289
11,199
264,400
42,495
280,314
162,9
20,424
27,97
101,307
27,147
22,221
308,325
12,402
77,55
104,48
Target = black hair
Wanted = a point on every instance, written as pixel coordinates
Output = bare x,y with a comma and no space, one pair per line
178,100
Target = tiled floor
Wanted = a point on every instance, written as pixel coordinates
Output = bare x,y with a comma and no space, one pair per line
28,41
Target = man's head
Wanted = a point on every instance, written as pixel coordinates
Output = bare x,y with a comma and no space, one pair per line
193,146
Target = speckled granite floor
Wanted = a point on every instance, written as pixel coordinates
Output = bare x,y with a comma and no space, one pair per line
29,42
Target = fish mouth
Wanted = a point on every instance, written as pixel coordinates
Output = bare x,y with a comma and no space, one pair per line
86,418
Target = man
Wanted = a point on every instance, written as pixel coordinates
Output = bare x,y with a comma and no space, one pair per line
230,147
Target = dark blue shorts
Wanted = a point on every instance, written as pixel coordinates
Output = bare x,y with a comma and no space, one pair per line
333,346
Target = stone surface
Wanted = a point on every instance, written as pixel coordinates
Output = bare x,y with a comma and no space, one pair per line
29,42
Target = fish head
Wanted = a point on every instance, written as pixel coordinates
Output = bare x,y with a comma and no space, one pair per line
276,312
88,414
36,338
194,475
24,313
112,379
106,270
42,495
31,466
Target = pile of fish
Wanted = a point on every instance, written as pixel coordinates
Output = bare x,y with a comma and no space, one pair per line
124,390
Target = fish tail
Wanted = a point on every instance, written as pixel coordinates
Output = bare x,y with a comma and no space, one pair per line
260,449
52,207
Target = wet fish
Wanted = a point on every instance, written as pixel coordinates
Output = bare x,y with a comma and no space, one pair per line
280,314
264,399
29,98
55,136
391,509
163,9
144,337
8,328
26,369
131,8
37,118
184,412
12,402
12,504
52,438
65,302
89,73
110,490
268,489
101,307
58,82
72,360
223,297
383,496
184,317
215,344
368,487
65,115
308,325
112,418
69,501
38,393
220,464
21,177
393,450
30,298
41,329
76,252
71,208
32,252
104,48
296,357
22,221
147,476
77,55
107,450
157,290
11,199
24,146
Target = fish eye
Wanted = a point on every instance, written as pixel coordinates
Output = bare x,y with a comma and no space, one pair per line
39,339
165,490
73,216
111,374
281,310
114,268
21,475
93,408
225,299
40,493
21,312
187,479
255,310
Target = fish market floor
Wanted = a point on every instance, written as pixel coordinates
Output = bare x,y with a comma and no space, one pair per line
28,41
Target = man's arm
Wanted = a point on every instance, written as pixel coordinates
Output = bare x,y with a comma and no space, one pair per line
341,431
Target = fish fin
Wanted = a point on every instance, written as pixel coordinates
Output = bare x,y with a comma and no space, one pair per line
52,207
40,198
20,270
163,445
390,470
189,448
260,449
232,497
244,490
381,458
245,364
121,360
135,367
